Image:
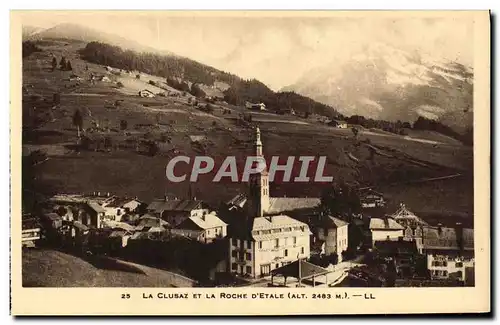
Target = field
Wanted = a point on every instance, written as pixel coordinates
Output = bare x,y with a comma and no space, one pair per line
49,268
173,123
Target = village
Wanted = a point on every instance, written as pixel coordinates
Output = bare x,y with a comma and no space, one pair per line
344,238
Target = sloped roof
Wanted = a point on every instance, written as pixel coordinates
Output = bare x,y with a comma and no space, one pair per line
273,222
207,222
239,200
447,238
52,216
118,225
386,223
96,207
118,202
148,221
404,214
174,205
80,226
334,222
286,204
307,270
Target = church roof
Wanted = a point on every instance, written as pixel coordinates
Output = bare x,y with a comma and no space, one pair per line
287,204
174,205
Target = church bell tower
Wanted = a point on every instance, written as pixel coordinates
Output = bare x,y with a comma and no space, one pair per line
258,198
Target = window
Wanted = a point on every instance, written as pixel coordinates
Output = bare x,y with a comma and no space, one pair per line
286,252
445,273
235,242
459,264
234,254
249,244
260,244
302,250
277,265
249,269
445,263
234,266
277,242
325,232
248,256
118,212
294,240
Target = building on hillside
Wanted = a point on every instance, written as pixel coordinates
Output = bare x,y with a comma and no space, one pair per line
31,231
256,107
338,124
371,199
175,211
413,225
289,111
262,242
146,93
449,251
204,228
382,229
334,233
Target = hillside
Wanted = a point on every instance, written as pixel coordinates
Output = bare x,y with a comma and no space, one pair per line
190,71
118,160
383,82
49,268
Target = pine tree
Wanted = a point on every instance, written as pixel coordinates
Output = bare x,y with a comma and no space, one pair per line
62,63
54,63
78,121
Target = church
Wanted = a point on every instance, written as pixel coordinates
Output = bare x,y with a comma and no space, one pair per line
266,238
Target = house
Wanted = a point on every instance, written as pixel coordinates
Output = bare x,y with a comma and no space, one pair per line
257,107
74,77
403,253
150,223
146,93
31,231
382,229
91,214
371,199
204,228
104,79
175,211
261,244
413,225
289,111
118,207
334,233
449,251
108,68
338,124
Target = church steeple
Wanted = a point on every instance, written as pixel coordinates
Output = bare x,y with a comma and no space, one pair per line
259,185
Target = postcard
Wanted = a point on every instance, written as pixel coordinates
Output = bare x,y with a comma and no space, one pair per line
250,162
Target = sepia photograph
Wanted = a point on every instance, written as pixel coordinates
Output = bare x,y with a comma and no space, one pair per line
313,152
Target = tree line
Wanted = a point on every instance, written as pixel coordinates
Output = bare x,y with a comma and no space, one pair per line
174,68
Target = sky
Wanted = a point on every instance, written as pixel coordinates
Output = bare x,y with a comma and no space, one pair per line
277,50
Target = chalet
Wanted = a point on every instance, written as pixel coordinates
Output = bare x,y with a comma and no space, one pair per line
413,225
382,229
449,251
175,211
338,124
255,107
146,93
334,233
204,228
371,199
